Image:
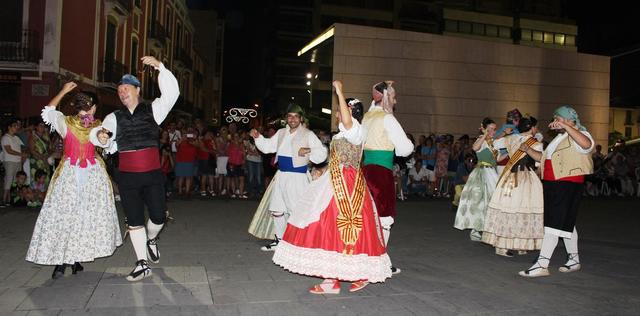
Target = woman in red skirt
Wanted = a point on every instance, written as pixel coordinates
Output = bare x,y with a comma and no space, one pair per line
336,234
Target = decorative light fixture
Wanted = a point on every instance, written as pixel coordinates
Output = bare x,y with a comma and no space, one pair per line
241,115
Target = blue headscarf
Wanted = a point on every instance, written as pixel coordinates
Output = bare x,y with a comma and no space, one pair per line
568,113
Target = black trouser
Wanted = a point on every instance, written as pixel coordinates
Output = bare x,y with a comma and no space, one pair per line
138,189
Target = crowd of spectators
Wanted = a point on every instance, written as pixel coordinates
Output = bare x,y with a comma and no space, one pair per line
211,162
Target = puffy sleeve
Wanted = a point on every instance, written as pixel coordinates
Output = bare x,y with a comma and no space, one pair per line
397,136
538,146
353,135
268,145
109,124
318,150
169,93
55,119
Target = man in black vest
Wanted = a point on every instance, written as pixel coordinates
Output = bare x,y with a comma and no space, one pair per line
134,133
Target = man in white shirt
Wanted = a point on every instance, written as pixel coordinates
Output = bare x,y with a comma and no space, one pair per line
133,132
13,158
294,146
418,177
384,139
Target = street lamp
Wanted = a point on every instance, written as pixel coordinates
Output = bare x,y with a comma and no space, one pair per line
310,78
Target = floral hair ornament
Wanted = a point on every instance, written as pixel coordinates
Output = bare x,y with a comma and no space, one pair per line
354,101
87,120
383,94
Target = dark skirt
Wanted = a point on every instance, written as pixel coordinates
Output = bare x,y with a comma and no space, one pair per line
561,203
383,189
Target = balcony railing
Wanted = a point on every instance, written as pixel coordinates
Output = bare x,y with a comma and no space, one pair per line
112,72
27,50
157,33
120,7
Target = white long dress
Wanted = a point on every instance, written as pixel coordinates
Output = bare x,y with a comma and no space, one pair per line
78,220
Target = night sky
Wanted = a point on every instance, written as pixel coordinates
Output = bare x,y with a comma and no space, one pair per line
602,30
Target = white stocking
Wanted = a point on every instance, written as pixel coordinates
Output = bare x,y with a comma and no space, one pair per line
153,229
138,237
549,243
571,245
386,222
280,224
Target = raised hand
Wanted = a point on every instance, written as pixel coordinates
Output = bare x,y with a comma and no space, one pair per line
338,85
254,133
67,87
151,61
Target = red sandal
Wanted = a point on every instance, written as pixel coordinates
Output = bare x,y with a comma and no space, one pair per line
358,285
326,287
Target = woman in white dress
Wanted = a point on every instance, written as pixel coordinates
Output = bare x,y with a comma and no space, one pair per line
514,219
78,220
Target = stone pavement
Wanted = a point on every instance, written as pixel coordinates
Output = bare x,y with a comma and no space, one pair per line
211,266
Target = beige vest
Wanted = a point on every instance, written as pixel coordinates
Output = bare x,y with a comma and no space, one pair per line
567,161
300,140
377,138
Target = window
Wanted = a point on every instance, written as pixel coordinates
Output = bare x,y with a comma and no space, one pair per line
525,35
559,39
178,43
537,36
134,56
505,32
548,38
154,11
11,21
136,22
627,132
110,45
478,28
451,26
492,30
168,22
570,40
627,118
464,27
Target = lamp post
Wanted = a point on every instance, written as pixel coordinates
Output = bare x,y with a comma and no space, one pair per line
310,90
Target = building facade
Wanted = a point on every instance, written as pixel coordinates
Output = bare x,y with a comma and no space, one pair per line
448,84
625,121
94,43
527,23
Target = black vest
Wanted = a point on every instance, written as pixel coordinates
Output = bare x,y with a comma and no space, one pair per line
138,130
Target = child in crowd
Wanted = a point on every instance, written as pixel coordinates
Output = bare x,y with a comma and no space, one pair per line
21,194
39,187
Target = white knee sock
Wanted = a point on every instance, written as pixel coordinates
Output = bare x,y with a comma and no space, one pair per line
549,243
386,223
153,229
571,245
280,224
139,242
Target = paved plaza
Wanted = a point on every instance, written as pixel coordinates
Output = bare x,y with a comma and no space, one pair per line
211,266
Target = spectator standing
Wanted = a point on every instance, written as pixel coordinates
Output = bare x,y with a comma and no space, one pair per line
13,157
207,164
185,162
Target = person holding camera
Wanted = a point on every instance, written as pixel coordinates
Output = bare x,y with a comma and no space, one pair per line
133,132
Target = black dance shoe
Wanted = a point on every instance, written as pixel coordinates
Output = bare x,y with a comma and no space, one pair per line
76,267
58,271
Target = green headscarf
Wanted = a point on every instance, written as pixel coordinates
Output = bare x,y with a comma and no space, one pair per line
568,113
